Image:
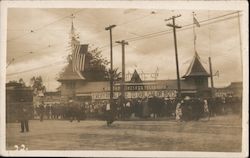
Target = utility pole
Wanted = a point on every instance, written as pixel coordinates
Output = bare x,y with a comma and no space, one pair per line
210,63
123,43
174,26
111,62
211,76
241,51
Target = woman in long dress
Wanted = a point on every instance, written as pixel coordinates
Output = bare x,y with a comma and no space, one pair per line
206,109
178,112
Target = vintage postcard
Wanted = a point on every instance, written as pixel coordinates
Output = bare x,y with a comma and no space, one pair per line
124,78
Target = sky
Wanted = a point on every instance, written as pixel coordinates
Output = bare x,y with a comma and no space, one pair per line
38,41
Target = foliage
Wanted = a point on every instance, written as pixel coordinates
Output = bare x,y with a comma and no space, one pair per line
115,73
20,82
13,81
95,66
37,85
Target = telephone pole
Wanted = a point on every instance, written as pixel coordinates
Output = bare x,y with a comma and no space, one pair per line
241,51
123,43
174,26
211,76
111,61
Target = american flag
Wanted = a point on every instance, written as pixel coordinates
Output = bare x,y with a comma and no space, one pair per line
78,58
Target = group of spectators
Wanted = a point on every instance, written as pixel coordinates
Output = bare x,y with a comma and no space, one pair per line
71,110
196,108
154,107
182,109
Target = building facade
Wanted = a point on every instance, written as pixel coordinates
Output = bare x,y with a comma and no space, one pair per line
15,92
194,84
234,89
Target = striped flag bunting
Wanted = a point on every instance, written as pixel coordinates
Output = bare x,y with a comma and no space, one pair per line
78,57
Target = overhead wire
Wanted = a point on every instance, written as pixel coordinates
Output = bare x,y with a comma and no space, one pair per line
41,27
185,27
44,26
170,30
159,33
37,68
35,30
125,23
219,20
32,52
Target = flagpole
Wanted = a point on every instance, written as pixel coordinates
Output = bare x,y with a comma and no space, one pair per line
194,33
72,32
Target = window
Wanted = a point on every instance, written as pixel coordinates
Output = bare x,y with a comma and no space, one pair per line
71,84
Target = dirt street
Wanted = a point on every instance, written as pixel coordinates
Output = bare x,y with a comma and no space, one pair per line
221,133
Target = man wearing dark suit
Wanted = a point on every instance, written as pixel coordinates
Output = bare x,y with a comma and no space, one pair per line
42,111
24,116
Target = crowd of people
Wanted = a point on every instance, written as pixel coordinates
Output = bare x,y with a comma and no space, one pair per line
154,107
181,109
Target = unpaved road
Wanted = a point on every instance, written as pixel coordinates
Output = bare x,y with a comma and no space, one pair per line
222,133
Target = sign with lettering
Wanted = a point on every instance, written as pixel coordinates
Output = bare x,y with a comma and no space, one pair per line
141,87
136,94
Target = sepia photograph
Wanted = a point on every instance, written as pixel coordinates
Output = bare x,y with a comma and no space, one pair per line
125,79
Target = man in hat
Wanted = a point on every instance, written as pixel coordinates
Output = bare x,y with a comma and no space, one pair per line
108,114
186,109
23,116
71,109
42,110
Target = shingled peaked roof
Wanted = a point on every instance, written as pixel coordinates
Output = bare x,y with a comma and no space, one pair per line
69,74
196,68
135,77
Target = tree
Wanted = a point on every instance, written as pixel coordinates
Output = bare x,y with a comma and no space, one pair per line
116,75
22,82
95,66
37,85
19,83
13,81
